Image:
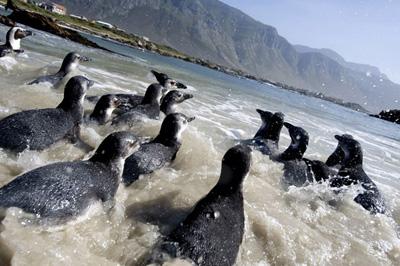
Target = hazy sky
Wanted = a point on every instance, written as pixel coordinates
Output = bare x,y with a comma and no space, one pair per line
362,31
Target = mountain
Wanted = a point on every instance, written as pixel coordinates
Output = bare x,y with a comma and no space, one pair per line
338,58
212,30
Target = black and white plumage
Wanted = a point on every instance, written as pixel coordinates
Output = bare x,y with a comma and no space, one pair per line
64,190
299,171
266,140
69,64
349,156
160,151
148,108
151,108
172,99
103,110
212,233
38,129
130,101
13,41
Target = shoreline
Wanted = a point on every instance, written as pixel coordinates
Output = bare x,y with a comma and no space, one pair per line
69,28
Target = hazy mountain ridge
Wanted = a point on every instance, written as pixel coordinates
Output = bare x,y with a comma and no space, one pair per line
338,58
212,30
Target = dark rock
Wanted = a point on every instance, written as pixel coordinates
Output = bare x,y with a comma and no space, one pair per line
389,115
7,21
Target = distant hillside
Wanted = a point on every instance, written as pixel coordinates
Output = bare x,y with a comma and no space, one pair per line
338,58
212,30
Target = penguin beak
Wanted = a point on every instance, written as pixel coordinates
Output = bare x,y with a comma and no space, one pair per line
28,33
20,34
288,125
187,96
190,119
264,113
181,85
339,138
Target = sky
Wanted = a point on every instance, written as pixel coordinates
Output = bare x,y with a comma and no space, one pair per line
362,31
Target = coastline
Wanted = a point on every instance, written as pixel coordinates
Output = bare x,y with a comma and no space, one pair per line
69,28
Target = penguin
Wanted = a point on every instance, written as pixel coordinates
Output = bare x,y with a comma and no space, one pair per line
38,129
61,191
335,159
130,101
69,64
150,107
103,110
300,171
266,140
174,97
212,233
13,41
351,172
166,81
158,152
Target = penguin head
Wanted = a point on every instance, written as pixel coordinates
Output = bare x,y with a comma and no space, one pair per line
153,94
337,157
71,62
104,108
173,98
299,142
271,127
76,88
235,167
265,115
172,127
352,151
108,102
166,81
116,146
14,36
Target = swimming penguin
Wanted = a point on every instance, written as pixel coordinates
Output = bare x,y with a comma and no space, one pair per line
335,159
160,151
351,172
69,64
266,140
174,97
38,129
299,171
166,81
130,101
103,110
13,41
151,108
64,190
212,233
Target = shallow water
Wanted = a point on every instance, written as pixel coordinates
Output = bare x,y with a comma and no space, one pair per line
291,227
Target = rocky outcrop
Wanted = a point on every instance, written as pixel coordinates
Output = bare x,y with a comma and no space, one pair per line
389,115
43,23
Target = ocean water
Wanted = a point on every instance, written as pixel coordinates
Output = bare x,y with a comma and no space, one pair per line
308,225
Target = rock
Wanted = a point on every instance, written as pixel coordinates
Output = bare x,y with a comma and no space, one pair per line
44,23
389,115
6,21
